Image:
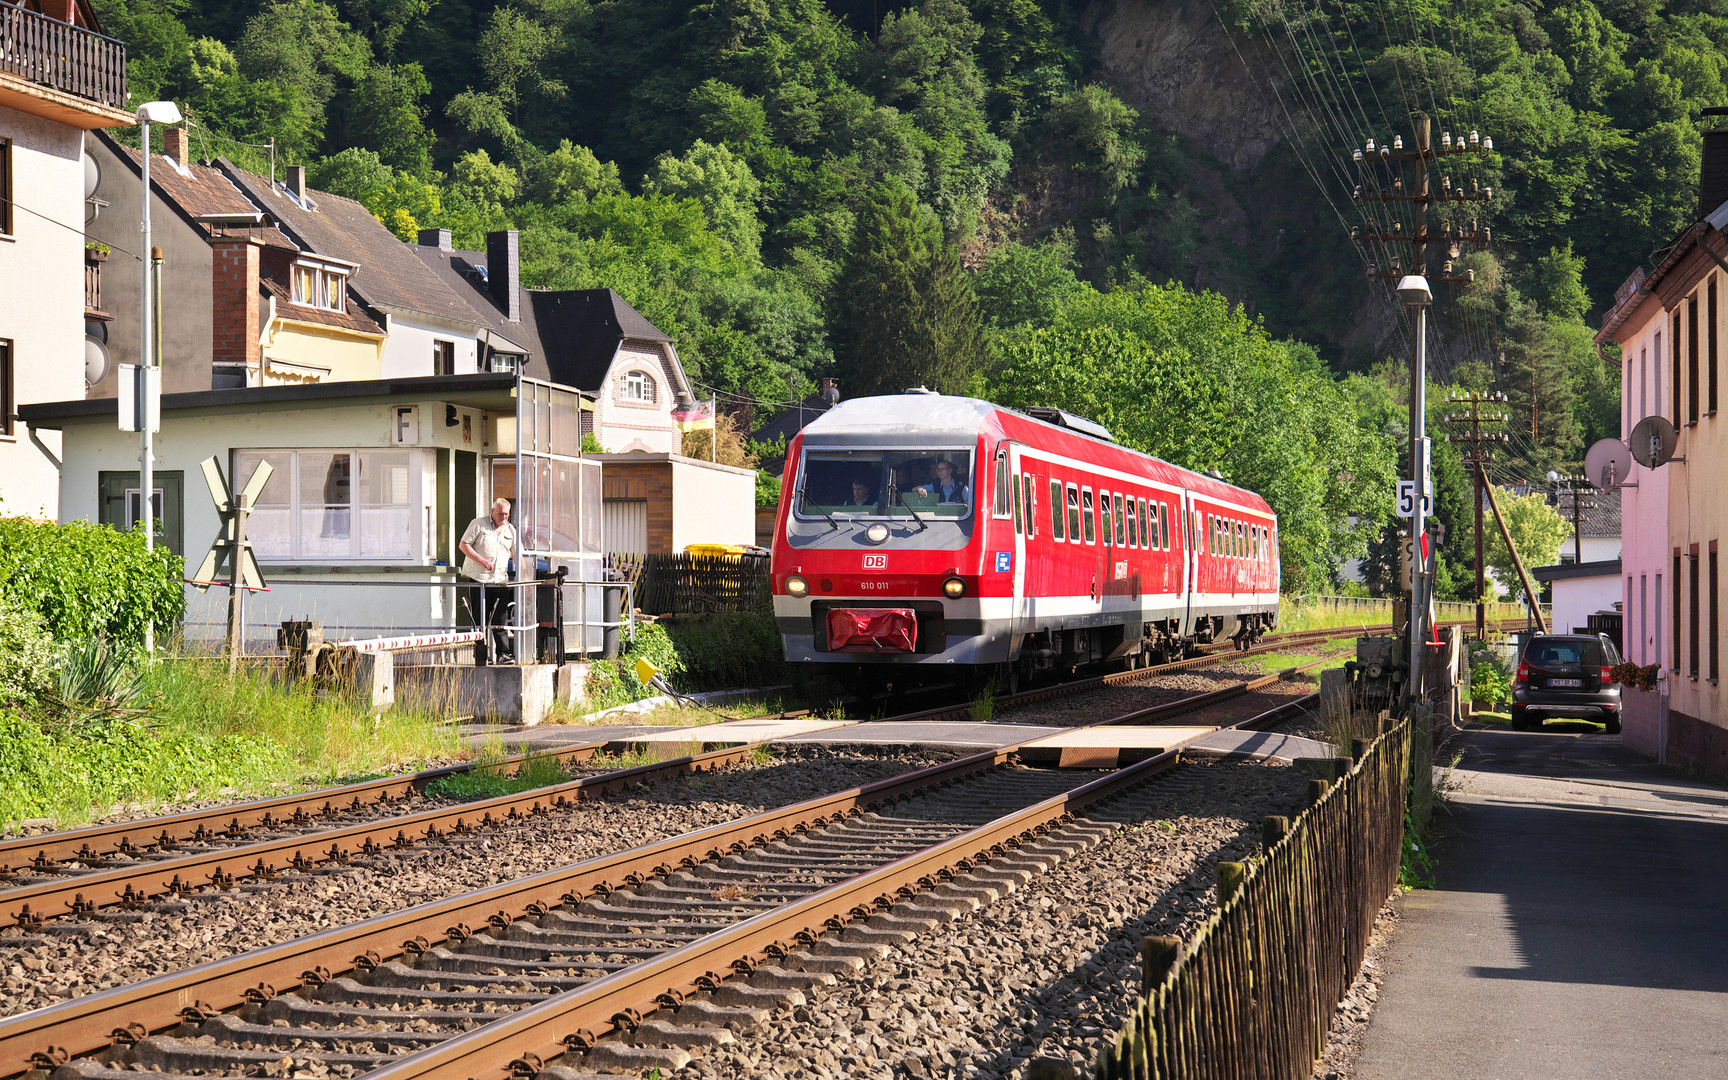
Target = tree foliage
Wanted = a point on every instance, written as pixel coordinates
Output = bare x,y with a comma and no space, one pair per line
1537,531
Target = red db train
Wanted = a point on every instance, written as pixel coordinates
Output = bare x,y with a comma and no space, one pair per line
926,534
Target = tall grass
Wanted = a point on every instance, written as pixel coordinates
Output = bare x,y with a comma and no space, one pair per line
202,733
328,736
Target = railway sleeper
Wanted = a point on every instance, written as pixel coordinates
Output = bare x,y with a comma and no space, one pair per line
346,991
657,1032
165,1053
442,959
231,1029
560,1072
615,1056
295,1009
630,911
397,974
488,945
701,1012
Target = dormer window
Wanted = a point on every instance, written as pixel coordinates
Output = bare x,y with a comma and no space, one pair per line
636,386
322,283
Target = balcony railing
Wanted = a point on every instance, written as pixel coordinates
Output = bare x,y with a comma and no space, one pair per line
93,261
65,57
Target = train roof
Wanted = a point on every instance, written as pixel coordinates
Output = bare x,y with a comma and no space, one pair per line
939,421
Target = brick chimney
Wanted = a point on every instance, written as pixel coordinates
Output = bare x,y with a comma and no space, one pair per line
1713,175
435,238
234,300
174,144
504,273
297,181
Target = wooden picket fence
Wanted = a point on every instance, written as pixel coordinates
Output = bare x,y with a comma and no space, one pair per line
668,584
1253,994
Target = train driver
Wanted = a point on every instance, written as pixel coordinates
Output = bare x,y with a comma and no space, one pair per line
861,495
947,487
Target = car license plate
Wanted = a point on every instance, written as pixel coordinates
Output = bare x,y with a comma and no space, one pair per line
1566,682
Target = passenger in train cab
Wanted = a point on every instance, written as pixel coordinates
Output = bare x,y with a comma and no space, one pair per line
946,486
861,495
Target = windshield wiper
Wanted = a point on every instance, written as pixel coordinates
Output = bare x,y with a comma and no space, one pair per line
804,507
894,490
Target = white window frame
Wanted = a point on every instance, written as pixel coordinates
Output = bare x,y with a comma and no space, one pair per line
328,279
636,387
420,507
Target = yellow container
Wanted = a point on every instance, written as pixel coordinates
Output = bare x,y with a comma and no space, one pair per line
715,549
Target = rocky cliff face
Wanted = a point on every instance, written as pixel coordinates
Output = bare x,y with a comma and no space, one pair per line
1271,236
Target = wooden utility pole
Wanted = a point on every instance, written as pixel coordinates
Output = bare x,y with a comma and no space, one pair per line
1523,575
1478,458
1385,163
1575,483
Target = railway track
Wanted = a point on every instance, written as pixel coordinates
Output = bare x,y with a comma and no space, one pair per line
130,864
506,978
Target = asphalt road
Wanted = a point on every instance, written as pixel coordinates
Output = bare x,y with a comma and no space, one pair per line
1579,928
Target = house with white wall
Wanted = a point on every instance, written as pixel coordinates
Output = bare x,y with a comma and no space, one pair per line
60,78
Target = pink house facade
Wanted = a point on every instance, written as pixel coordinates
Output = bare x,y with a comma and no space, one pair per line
1637,324
1673,329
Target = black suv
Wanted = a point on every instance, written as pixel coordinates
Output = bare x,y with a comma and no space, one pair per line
1566,675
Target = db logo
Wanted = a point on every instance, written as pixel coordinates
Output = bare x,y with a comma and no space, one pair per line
875,562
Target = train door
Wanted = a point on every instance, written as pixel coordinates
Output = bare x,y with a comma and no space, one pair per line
1021,489
1190,558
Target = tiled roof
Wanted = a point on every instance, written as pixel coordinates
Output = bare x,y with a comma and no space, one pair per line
580,330
456,269
389,275
1602,519
202,191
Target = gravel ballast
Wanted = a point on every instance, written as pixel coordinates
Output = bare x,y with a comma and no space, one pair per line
70,959
1046,971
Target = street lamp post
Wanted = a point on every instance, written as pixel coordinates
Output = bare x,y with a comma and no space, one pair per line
1413,290
154,112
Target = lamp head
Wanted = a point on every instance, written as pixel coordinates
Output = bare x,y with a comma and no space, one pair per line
1413,290
1553,476
158,112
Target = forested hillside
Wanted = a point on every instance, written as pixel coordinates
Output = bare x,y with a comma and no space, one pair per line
991,194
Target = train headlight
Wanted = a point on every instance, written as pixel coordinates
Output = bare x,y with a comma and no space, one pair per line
953,588
797,586
877,533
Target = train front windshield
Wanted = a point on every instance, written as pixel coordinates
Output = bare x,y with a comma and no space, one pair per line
885,484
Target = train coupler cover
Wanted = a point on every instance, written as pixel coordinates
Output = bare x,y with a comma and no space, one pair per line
872,630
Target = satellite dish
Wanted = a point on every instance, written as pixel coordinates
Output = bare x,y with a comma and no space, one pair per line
1654,441
1607,464
96,363
92,175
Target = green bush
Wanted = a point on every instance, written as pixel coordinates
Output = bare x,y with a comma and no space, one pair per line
1490,683
76,776
614,682
26,652
90,581
728,649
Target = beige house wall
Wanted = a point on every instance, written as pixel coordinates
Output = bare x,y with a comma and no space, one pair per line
344,354
628,426
1697,522
353,600
42,301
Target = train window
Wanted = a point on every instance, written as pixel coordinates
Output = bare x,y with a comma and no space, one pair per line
1117,514
1074,514
1214,537
1086,515
1002,478
1104,514
1133,531
885,483
1161,524
1056,509
1241,540
1009,479
1031,504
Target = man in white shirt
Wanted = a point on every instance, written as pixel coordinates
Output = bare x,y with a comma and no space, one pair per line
488,544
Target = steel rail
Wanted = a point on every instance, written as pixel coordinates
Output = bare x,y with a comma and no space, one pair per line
570,1020
521,1043
133,884
47,1037
127,838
